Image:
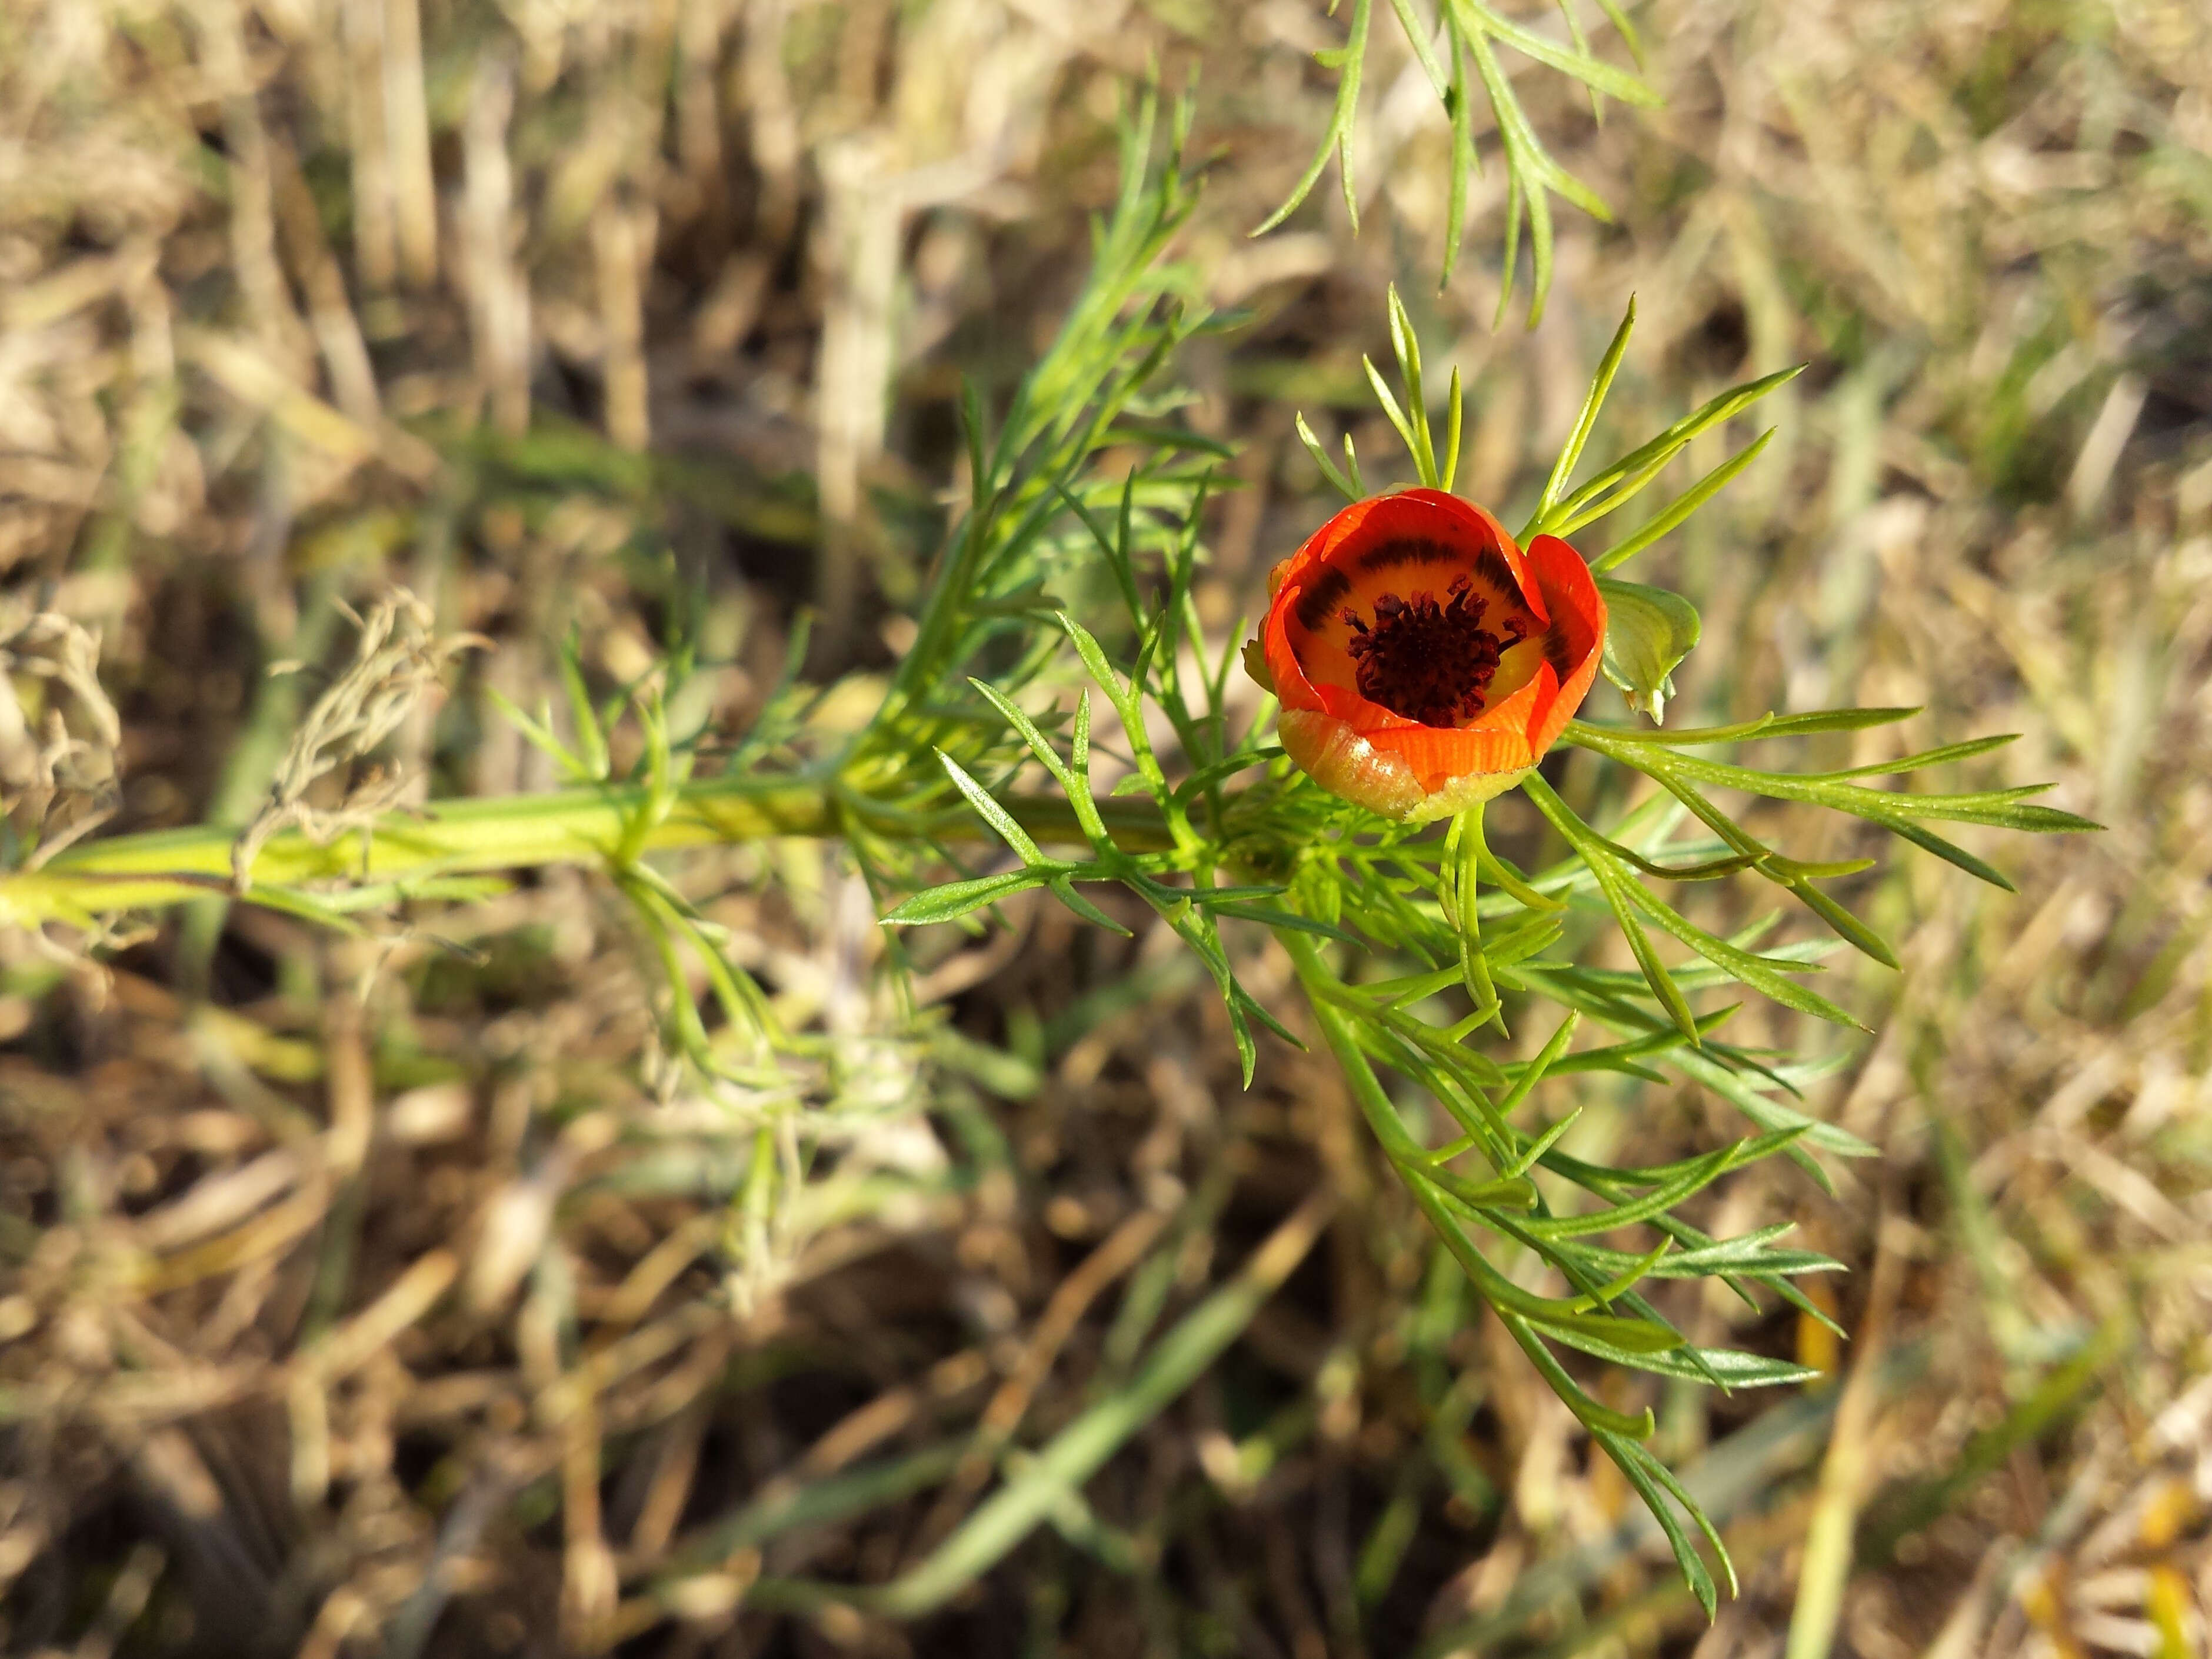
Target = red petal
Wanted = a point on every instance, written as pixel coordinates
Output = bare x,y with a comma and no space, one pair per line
1382,759
1483,531
1572,596
1291,685
1439,755
1348,765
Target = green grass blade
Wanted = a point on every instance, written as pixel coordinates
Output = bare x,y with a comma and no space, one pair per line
1571,452
1593,72
1671,516
1348,60
1644,463
1079,1450
992,813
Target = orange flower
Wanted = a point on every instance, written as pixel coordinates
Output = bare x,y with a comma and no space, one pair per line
1424,661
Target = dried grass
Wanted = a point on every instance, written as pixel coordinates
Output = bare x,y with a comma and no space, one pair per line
421,1321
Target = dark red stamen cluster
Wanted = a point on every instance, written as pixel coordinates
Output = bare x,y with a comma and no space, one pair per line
1428,662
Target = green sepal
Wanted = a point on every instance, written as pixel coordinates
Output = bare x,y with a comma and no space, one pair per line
1648,632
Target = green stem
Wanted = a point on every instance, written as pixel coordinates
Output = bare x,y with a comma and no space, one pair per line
1406,1154
244,783
488,836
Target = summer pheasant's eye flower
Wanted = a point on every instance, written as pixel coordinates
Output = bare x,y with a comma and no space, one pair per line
1424,661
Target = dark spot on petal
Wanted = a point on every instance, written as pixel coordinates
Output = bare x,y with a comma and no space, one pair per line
1558,653
1319,601
1490,565
1410,550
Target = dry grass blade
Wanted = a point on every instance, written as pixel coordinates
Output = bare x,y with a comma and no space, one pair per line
56,784
399,658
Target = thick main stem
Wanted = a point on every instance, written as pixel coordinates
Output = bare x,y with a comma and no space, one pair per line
515,832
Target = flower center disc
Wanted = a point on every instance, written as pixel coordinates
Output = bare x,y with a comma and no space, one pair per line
1428,662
